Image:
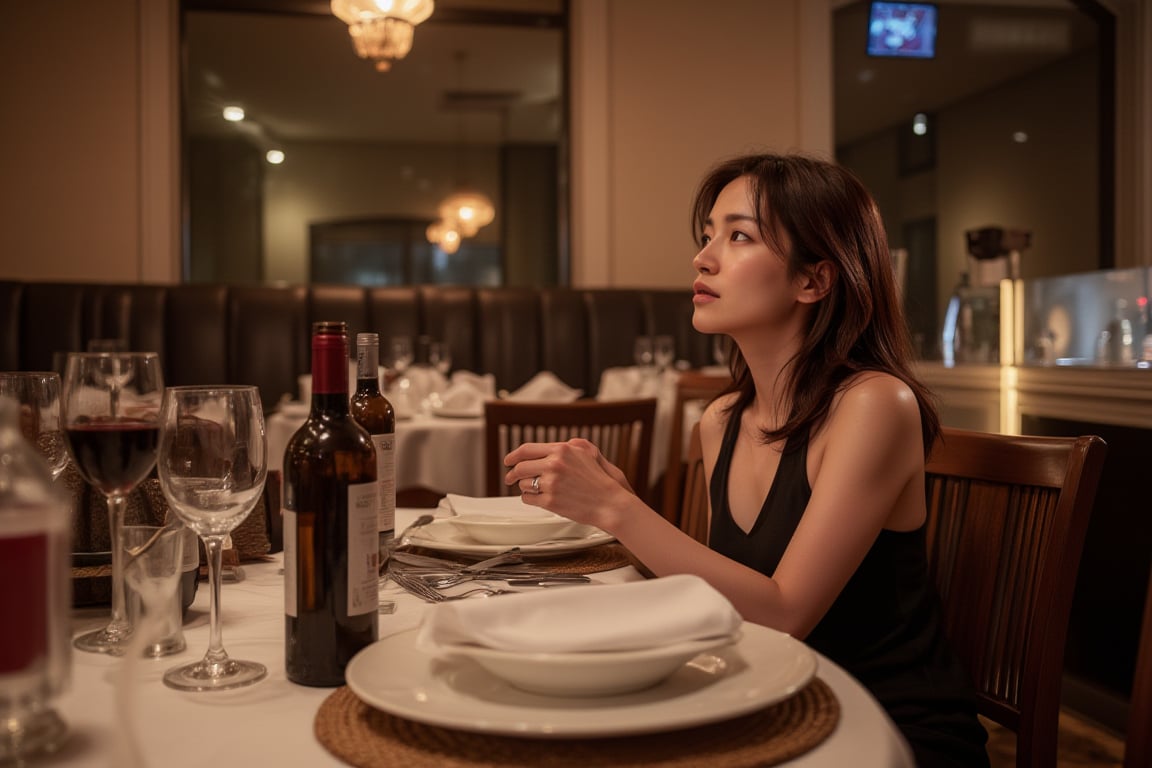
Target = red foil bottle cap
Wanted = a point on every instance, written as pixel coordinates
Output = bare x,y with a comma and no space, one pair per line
329,357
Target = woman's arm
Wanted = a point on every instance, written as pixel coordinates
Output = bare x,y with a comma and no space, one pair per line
865,462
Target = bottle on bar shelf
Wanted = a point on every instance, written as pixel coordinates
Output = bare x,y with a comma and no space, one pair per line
375,414
331,542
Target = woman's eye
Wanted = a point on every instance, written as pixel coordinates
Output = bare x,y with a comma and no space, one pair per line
704,240
739,236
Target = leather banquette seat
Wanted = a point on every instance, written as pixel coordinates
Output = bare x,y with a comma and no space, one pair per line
255,334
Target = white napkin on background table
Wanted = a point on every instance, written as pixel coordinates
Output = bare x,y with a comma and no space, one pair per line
484,382
545,387
608,617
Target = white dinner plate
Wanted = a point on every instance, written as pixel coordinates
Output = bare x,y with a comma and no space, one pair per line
764,667
458,413
442,535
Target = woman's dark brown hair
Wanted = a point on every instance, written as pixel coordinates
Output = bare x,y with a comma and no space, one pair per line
822,212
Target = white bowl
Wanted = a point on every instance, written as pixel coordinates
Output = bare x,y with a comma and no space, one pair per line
516,529
604,673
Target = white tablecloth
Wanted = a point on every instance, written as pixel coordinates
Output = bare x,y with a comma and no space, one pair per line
439,453
271,722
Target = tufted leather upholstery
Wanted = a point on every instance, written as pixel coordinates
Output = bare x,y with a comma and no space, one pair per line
212,334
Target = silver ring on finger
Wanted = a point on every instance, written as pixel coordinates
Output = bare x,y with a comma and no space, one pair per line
536,484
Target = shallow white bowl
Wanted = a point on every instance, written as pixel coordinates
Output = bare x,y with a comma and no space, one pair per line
605,673
512,530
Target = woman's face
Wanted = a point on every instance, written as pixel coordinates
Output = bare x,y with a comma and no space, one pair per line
743,281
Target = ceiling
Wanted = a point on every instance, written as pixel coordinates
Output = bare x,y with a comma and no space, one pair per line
298,78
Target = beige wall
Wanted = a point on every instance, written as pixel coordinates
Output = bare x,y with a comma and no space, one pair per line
655,104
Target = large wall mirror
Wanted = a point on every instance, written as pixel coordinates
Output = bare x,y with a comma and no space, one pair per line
1010,123
337,170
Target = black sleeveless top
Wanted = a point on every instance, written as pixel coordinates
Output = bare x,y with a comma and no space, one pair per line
884,627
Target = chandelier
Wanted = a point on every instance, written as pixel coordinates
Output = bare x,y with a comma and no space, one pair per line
382,30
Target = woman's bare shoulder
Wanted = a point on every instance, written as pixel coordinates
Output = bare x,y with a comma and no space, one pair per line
715,417
870,395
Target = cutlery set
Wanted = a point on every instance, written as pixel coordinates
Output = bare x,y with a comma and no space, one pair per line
425,576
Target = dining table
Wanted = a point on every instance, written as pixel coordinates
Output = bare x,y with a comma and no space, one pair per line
433,450
120,713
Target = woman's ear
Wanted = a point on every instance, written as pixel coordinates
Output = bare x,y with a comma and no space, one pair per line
818,282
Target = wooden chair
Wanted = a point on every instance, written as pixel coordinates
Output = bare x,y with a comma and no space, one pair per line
692,385
621,429
1138,744
694,511
1007,516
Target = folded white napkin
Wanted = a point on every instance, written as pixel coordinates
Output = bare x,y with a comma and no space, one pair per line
546,387
459,399
484,382
609,617
423,382
495,506
628,382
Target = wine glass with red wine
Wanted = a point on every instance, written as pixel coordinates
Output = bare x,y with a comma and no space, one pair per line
212,465
112,426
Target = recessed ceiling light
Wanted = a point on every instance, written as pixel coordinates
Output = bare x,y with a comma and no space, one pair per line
274,156
1019,137
233,114
920,124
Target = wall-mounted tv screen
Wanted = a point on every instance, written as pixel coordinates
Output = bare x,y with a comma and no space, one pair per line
902,30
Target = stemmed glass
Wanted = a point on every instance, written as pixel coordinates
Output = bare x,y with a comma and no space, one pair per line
111,426
212,467
440,357
642,353
400,352
38,393
663,352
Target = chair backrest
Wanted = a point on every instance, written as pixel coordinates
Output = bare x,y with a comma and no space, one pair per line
1007,515
694,511
690,386
1138,744
621,429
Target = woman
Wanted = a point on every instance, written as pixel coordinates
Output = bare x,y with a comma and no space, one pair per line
814,455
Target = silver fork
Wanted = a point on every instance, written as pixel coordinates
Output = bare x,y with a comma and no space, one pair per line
425,592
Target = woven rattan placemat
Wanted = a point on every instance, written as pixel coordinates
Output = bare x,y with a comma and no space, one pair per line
369,738
592,560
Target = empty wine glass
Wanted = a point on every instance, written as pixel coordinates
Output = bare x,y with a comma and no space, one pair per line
440,357
663,352
400,354
38,393
111,425
642,352
721,344
212,465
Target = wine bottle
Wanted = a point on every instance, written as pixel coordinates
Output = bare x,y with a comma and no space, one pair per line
375,414
331,549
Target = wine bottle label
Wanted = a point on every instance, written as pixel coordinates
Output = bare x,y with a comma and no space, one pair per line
289,561
363,550
385,481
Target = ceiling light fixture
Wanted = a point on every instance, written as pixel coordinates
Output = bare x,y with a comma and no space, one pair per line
466,210
382,30
441,233
233,114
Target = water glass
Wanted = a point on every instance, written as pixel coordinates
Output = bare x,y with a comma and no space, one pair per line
38,393
153,562
663,352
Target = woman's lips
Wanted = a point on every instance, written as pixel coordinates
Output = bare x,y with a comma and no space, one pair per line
703,294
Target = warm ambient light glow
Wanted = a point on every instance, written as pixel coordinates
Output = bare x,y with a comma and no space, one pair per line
382,30
274,156
233,114
441,233
468,210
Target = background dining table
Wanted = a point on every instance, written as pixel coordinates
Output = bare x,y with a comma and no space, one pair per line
438,452
272,722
